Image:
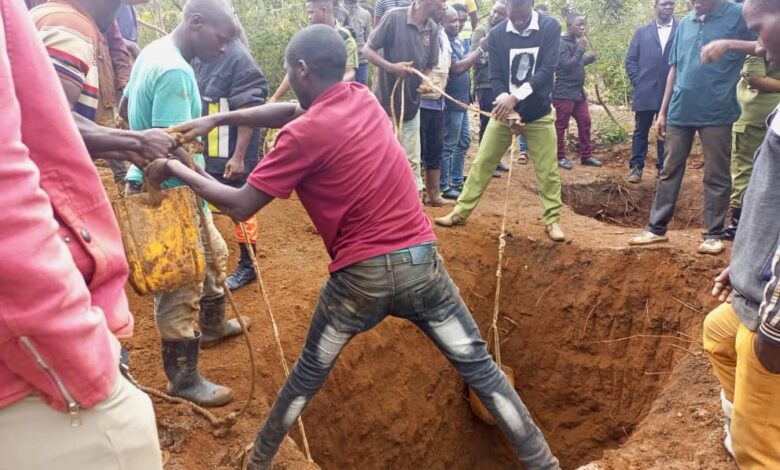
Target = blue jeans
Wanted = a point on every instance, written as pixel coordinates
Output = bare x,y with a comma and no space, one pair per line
361,75
521,142
411,284
457,138
643,121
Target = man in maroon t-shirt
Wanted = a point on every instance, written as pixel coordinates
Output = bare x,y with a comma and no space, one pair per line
352,177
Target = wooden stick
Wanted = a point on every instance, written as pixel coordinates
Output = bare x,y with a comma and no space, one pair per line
645,336
685,304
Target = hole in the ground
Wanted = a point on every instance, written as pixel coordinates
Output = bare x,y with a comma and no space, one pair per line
591,337
617,202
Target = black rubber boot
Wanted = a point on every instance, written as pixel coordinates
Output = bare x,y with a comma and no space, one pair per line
213,326
180,361
244,273
731,231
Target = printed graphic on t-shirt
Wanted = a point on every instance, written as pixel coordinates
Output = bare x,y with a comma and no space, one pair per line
522,64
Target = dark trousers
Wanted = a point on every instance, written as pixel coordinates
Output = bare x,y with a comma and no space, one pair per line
485,98
716,144
643,121
410,284
431,138
564,110
361,74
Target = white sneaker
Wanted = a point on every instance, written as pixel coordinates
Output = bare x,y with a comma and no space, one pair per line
555,233
728,411
647,238
711,247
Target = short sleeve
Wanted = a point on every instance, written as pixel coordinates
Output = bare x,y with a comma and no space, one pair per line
173,95
281,170
71,52
383,34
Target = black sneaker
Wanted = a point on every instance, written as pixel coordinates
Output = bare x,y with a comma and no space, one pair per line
242,276
565,164
590,161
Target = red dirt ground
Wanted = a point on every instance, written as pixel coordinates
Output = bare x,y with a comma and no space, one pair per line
604,340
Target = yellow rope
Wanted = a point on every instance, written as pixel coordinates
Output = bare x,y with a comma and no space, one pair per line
277,338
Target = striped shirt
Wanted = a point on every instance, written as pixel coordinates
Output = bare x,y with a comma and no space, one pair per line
383,6
71,39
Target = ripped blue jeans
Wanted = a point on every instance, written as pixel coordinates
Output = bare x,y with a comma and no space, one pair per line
411,284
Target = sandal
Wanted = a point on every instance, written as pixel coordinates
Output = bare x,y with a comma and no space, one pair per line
522,158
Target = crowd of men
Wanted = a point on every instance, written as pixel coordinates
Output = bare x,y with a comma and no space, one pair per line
77,86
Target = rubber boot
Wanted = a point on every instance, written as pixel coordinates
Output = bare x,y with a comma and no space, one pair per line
434,199
180,362
213,326
731,231
244,273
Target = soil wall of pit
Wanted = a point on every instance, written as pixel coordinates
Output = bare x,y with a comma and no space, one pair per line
591,336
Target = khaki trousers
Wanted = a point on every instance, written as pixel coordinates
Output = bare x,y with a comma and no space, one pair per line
119,433
755,425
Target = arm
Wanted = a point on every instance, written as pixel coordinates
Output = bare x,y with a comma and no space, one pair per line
238,203
763,84
271,116
548,57
379,37
139,147
352,60
120,57
571,59
123,108
767,341
589,59
471,7
235,167
284,87
379,11
714,51
661,120
632,59
469,61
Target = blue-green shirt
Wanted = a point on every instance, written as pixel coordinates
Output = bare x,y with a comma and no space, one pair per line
706,94
162,92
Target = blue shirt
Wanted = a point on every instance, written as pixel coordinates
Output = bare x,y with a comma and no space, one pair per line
706,94
458,86
162,92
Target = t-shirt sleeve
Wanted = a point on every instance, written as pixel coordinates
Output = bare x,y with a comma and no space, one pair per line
383,34
281,170
70,50
172,103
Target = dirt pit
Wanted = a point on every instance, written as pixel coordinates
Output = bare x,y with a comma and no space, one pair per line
604,342
614,201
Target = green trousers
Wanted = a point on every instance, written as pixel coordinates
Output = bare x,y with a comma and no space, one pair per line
745,140
541,138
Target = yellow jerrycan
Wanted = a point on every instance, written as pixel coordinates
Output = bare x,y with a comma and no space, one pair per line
161,239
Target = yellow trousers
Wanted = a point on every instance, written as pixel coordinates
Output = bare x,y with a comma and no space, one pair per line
755,393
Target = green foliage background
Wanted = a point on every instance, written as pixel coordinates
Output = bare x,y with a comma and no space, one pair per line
269,25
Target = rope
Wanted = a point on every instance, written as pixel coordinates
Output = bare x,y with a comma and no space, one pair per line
493,332
398,122
263,292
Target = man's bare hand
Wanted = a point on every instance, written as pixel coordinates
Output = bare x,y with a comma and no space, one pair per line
722,287
155,143
401,69
660,126
197,127
503,105
234,169
483,43
157,172
713,51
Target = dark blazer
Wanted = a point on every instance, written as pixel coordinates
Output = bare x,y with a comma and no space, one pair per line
648,66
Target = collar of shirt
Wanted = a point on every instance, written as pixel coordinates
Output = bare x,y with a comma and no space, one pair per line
661,26
532,26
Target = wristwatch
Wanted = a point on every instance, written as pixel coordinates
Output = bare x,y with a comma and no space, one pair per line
481,51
